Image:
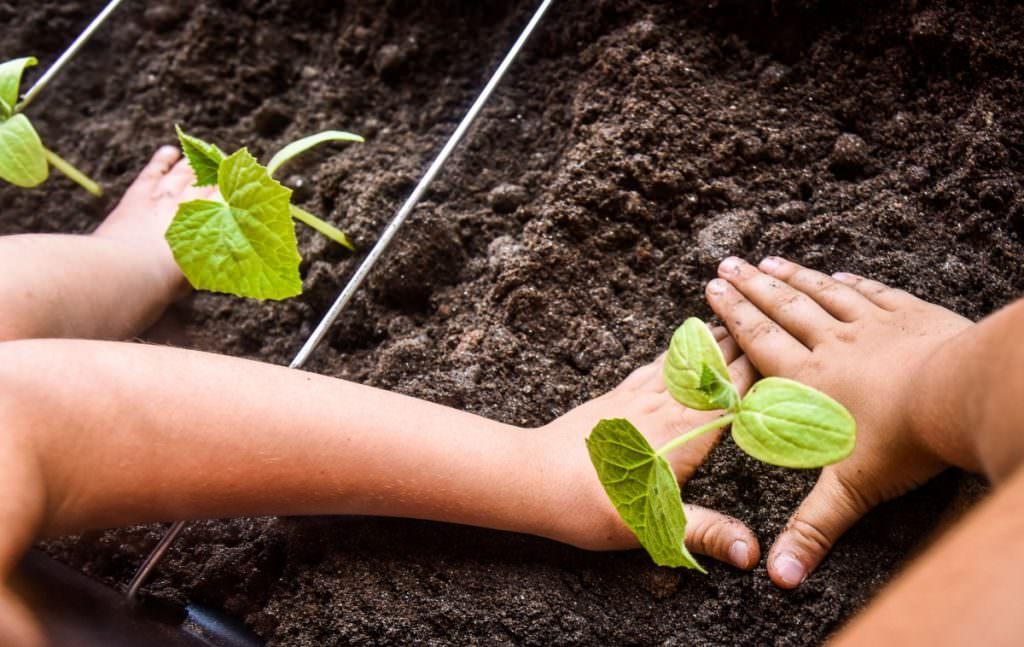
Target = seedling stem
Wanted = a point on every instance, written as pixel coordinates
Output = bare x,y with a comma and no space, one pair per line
76,176
717,423
324,228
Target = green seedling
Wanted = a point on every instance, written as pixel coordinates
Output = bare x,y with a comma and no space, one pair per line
24,161
779,421
242,241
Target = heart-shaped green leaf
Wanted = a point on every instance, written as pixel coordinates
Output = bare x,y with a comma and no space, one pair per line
695,371
786,423
643,490
10,78
244,245
22,156
204,158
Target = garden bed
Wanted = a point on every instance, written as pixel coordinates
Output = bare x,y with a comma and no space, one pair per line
632,146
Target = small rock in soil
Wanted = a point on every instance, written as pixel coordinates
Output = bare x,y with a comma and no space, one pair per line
506,198
849,156
502,250
163,17
773,76
792,211
726,235
301,190
388,60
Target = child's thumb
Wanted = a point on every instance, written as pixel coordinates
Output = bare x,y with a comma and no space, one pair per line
720,536
828,511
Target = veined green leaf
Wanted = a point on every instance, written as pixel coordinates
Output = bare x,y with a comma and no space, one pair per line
22,156
695,371
643,490
10,78
245,245
204,158
786,423
300,146
5,110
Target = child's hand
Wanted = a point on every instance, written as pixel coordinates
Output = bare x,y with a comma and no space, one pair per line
864,344
583,514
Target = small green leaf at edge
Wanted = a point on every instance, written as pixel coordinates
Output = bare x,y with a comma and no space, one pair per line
204,158
22,156
643,489
300,146
10,78
245,245
692,350
789,424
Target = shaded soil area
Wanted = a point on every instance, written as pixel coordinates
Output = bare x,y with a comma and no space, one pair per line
633,145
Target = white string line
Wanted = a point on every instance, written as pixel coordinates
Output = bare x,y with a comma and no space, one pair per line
68,54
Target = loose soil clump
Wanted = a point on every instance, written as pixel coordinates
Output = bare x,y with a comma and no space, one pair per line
633,145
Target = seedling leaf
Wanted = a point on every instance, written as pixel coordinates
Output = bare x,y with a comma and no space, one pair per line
244,245
643,490
695,371
204,158
22,156
300,146
785,423
10,78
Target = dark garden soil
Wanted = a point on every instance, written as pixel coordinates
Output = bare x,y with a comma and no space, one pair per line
633,145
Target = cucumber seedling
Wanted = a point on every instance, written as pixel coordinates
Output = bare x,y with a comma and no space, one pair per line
24,161
242,241
779,421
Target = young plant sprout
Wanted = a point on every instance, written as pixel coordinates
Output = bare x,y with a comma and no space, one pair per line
779,421
24,161
243,240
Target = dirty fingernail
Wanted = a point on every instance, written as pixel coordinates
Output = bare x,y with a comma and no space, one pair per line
789,569
716,287
729,266
738,553
770,264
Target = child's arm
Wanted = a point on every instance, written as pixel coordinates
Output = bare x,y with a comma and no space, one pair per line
110,285
103,434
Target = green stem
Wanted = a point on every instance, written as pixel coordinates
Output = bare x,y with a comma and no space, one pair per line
717,423
324,228
73,173
76,176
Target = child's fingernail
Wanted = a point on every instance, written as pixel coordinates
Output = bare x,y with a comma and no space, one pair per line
843,277
770,264
730,265
167,149
716,287
738,553
789,569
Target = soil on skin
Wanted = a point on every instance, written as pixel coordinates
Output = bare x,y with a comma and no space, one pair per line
633,145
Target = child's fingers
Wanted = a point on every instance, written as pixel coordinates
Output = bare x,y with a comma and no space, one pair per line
828,511
721,537
178,179
159,164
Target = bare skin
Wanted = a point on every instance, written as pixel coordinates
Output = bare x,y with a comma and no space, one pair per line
95,434
110,285
929,390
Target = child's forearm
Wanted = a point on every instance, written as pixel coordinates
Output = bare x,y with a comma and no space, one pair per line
969,404
61,286
133,434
